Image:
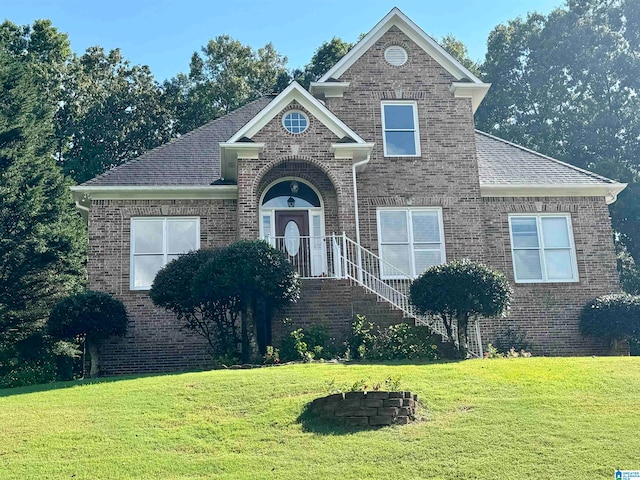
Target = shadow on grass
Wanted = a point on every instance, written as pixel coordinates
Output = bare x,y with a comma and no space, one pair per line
45,387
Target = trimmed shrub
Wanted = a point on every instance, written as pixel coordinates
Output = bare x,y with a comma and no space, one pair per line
227,295
613,317
459,291
396,342
91,317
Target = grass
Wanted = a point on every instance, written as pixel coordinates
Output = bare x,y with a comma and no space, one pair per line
539,418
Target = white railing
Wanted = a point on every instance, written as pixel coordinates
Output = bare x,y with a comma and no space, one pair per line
337,256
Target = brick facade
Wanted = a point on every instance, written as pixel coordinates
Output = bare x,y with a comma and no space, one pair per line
154,342
445,175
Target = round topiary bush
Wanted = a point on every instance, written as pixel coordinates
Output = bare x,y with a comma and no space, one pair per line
614,317
459,291
89,316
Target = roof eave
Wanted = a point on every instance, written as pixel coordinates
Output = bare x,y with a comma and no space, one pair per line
609,191
84,194
328,89
475,91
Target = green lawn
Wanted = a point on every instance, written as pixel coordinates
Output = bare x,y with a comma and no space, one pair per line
537,418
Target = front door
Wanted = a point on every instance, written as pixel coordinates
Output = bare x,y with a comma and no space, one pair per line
292,234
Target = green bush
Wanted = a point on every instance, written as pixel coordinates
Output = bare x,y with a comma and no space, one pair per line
396,342
91,317
458,292
313,343
228,294
613,317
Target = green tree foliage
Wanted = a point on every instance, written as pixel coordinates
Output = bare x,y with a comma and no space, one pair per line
91,317
566,85
224,76
325,57
42,239
111,111
212,314
613,317
460,52
210,290
459,291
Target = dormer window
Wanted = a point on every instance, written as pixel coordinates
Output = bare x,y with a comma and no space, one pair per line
400,129
295,122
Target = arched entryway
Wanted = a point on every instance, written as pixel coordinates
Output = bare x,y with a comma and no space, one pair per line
292,220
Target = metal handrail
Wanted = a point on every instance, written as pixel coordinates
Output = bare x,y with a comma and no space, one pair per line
341,257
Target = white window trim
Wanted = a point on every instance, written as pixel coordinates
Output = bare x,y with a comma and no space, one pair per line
303,114
414,274
164,244
539,216
416,132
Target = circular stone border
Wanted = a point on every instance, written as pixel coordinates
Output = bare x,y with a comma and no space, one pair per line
366,409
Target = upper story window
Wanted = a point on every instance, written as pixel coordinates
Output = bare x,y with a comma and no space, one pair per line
155,241
295,122
400,129
410,240
542,248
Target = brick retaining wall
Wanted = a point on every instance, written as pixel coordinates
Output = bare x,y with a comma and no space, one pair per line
366,409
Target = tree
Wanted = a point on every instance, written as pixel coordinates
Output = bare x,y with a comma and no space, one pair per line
223,77
42,239
566,85
613,317
457,292
227,295
460,52
325,57
90,317
111,111
259,278
212,313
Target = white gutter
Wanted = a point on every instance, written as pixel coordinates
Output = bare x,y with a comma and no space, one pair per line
156,192
609,191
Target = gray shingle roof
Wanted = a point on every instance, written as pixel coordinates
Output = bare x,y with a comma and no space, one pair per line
192,159
504,163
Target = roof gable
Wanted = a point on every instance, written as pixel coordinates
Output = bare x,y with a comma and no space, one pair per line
398,19
295,92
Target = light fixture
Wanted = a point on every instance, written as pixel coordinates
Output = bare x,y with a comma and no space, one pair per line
294,186
291,202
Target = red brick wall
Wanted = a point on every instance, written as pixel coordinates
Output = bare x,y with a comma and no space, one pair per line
154,341
445,175
547,313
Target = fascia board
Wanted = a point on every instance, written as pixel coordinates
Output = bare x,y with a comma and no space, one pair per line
357,151
295,92
475,91
329,89
152,192
609,191
396,18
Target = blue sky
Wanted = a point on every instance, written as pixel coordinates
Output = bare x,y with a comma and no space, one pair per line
164,33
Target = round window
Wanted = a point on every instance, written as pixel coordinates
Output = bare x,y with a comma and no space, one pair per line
396,55
295,122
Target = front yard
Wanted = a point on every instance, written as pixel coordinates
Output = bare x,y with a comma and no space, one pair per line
539,418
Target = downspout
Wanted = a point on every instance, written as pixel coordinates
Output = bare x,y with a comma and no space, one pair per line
356,214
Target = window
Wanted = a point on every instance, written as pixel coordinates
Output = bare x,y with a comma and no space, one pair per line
400,126
155,242
410,241
542,248
295,122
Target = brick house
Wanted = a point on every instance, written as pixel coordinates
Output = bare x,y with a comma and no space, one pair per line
373,175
